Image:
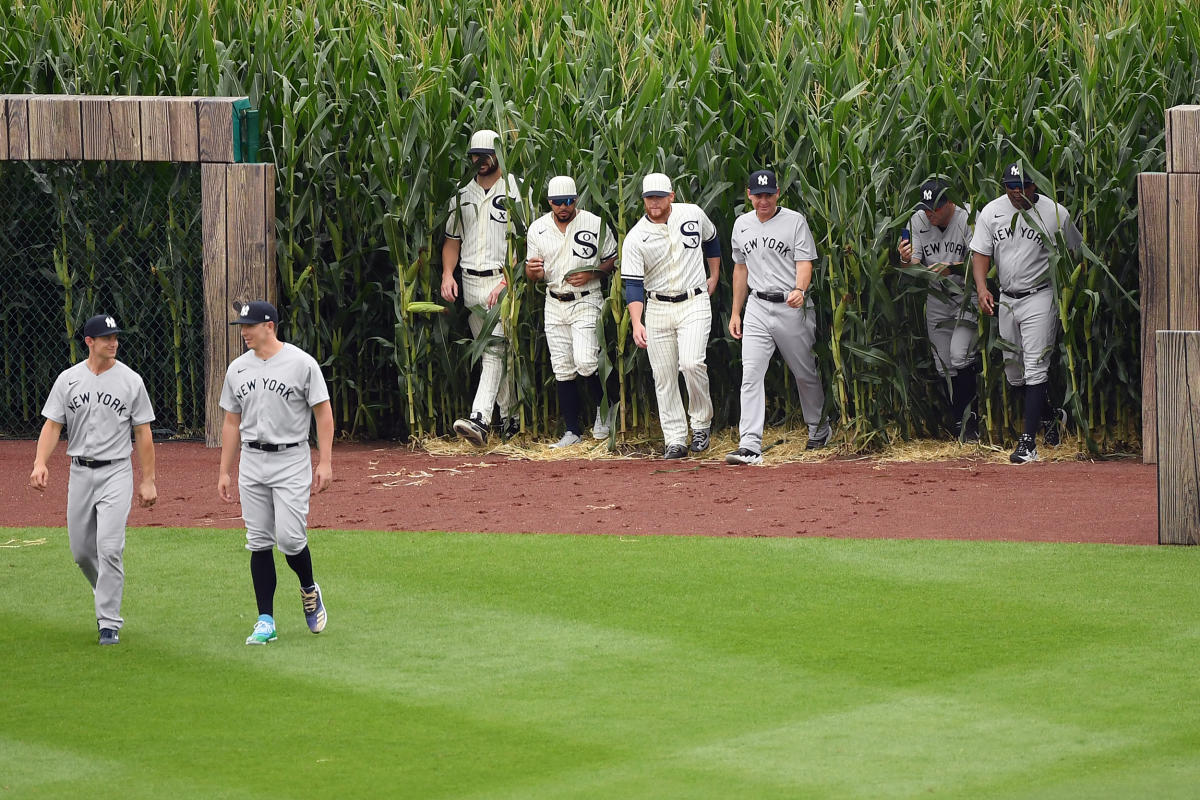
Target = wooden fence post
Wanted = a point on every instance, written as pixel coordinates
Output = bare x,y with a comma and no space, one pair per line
1177,354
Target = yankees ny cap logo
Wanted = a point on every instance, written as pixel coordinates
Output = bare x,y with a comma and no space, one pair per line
927,194
245,310
762,180
1014,171
110,322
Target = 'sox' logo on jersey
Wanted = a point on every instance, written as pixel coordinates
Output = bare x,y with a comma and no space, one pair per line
691,233
499,213
762,180
587,244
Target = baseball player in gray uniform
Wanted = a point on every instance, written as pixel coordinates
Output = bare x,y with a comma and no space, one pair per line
99,401
271,393
662,265
773,254
572,250
1017,230
940,240
477,240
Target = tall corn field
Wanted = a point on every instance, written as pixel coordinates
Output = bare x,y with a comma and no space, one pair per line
368,105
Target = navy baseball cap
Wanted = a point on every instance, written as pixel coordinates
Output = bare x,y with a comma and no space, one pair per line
256,311
100,325
762,182
1015,176
932,195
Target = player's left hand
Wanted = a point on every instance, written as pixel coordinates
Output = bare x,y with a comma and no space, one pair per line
147,494
494,295
712,284
581,278
322,477
795,298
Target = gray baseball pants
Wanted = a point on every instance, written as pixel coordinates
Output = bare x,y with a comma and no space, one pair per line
274,490
953,329
98,502
765,327
1030,327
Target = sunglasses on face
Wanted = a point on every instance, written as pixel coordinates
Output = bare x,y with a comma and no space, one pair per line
569,201
1016,185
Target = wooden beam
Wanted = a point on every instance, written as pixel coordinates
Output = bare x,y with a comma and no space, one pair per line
185,128
1183,252
1152,258
17,108
214,211
156,129
1183,139
126,115
3,128
55,128
1178,388
97,128
216,129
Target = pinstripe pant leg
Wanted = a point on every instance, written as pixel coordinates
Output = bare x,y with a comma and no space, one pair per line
695,328
662,347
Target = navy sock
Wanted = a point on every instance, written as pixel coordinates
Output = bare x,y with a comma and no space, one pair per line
301,564
1035,402
262,572
568,405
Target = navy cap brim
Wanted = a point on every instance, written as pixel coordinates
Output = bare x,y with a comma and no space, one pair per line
478,151
656,194
764,190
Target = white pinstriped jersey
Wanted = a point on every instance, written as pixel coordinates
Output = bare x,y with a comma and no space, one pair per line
668,257
483,223
1022,256
586,243
99,411
771,249
932,245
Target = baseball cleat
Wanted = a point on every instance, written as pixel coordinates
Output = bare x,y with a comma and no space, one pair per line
743,455
1052,427
473,430
1026,450
968,432
314,608
700,440
604,422
819,436
264,630
109,636
509,427
567,440
675,451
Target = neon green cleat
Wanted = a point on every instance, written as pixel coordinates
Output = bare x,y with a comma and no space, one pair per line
264,630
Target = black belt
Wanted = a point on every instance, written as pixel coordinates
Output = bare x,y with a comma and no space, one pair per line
1019,295
675,298
267,447
772,297
569,296
482,273
90,463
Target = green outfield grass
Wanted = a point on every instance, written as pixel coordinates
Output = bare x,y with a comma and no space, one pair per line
484,666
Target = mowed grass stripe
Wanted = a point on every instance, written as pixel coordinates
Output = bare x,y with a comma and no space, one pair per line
555,666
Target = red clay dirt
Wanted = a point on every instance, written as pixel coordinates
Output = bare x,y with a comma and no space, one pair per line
387,487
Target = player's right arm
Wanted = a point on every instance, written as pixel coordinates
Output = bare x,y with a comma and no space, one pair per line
231,439
980,264
47,441
741,290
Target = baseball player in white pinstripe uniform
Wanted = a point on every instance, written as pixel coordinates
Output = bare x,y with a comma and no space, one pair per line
939,238
477,240
572,250
663,268
272,392
99,401
1017,231
773,254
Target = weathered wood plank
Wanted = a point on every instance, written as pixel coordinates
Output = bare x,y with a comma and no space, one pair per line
3,128
97,128
1183,255
1178,387
18,126
55,128
156,129
216,129
185,128
126,117
1183,139
269,266
214,210
1152,258
247,232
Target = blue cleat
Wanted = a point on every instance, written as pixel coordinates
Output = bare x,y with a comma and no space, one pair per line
314,608
264,630
109,636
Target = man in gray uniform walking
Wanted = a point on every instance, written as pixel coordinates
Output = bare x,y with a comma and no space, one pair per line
99,401
773,254
271,394
1017,230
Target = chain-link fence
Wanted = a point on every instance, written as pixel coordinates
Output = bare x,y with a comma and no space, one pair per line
83,238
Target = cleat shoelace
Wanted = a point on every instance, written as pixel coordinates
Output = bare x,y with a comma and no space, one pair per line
310,601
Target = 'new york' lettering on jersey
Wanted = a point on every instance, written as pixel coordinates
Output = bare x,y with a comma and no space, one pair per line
480,219
771,249
668,257
1022,256
274,397
99,412
579,247
932,245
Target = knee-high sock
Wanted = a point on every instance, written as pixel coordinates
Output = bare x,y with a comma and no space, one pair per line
301,564
568,405
1035,405
262,572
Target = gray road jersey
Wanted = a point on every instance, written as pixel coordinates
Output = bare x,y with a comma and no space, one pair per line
1021,255
274,396
932,245
771,249
99,411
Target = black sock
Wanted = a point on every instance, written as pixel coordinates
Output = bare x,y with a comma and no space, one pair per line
301,564
592,382
962,394
568,405
262,572
1048,410
1035,401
